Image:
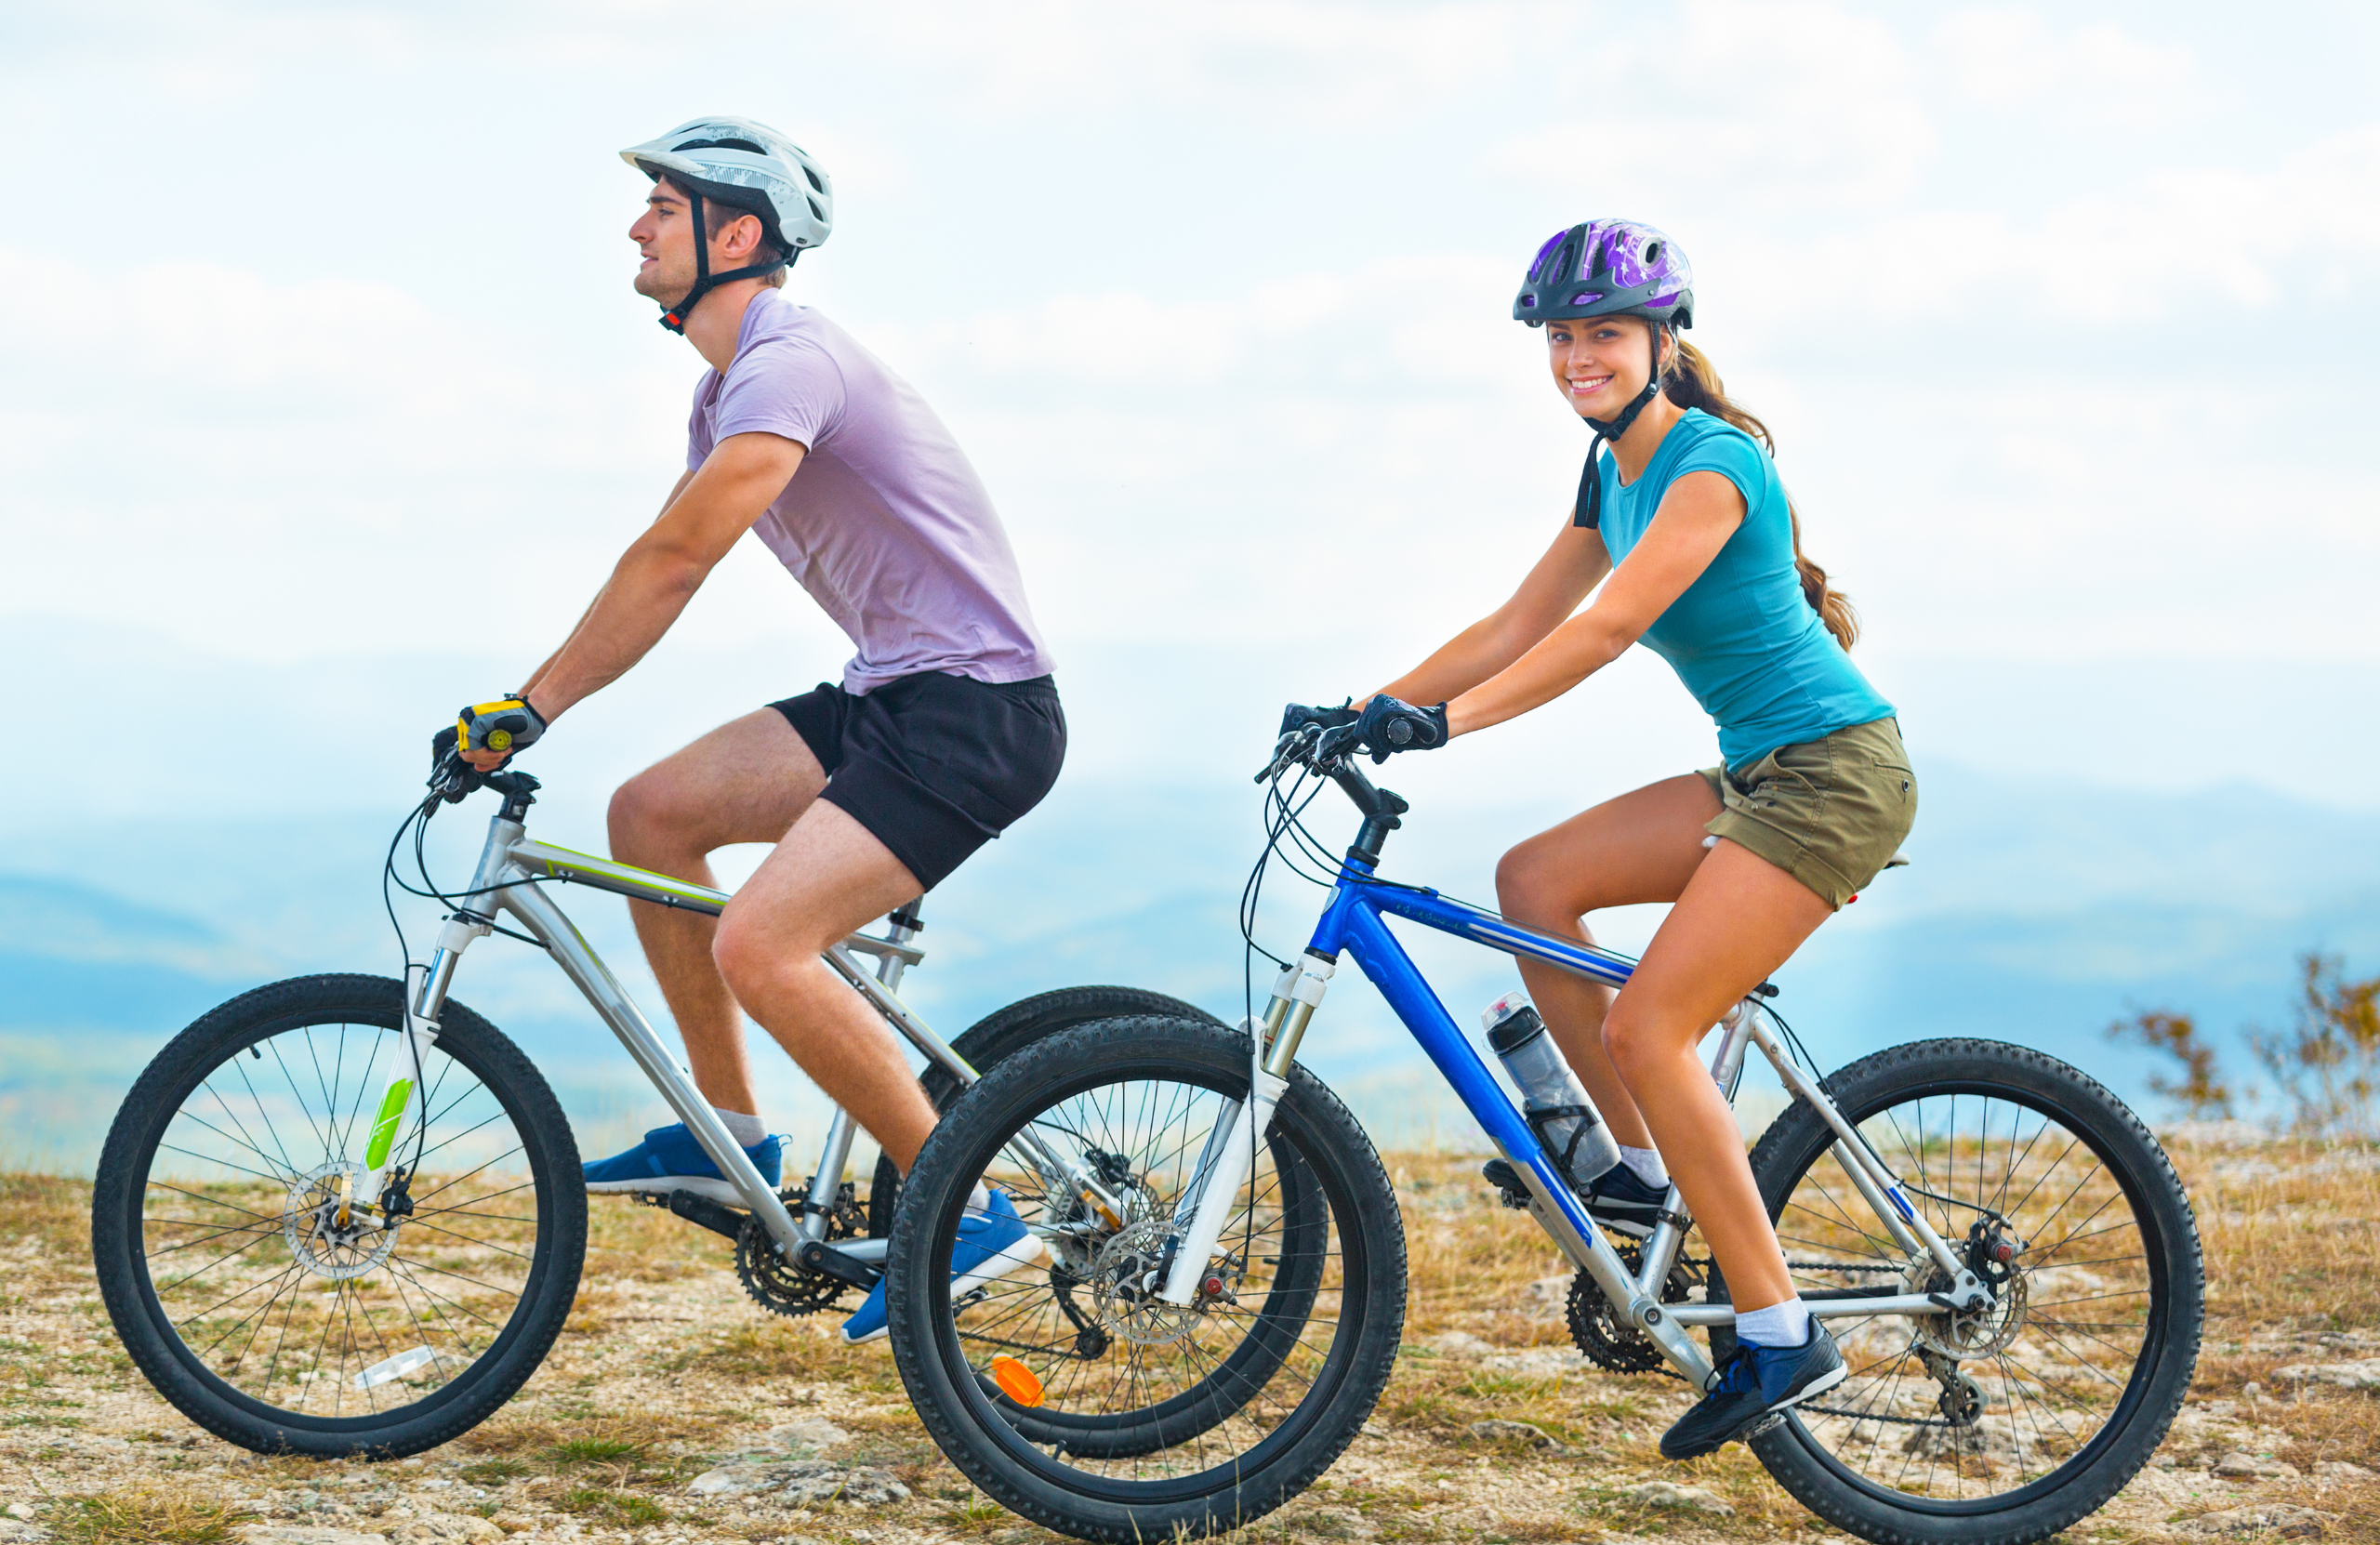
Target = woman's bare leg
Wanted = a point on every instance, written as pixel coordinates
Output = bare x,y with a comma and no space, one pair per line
1738,919
1642,847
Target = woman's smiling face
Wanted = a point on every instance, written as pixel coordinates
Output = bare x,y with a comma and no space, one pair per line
1599,361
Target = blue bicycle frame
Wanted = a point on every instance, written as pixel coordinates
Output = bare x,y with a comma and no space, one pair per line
1353,924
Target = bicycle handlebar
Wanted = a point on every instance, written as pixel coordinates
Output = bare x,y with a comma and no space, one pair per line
454,780
1327,753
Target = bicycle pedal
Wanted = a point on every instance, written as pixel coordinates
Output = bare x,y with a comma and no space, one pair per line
1768,1424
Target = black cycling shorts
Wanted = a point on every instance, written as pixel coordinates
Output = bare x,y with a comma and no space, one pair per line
934,765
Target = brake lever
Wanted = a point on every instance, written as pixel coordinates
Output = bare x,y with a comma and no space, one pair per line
1334,742
1285,751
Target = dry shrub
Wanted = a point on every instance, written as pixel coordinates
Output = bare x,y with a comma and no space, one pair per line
144,1515
55,1210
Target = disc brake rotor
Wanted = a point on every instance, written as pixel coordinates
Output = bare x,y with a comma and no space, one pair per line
1964,1333
318,1240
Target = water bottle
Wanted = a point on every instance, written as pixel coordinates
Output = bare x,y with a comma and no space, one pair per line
1556,1106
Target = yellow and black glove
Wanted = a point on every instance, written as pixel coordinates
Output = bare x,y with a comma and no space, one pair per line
504,726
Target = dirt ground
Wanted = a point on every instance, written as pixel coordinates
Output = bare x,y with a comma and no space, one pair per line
665,1370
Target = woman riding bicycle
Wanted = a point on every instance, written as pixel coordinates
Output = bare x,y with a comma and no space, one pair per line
1703,553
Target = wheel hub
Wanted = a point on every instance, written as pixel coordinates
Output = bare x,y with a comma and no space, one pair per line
328,1234
1964,1333
1126,1275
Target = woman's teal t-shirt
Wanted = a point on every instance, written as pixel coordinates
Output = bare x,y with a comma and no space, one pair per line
1743,638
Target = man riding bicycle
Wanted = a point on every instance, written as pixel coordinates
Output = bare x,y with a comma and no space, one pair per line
944,729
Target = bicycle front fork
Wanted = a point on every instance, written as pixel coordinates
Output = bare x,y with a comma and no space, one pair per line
1206,1205
425,1000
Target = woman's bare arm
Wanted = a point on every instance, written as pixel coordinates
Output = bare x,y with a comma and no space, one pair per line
1569,569
1697,515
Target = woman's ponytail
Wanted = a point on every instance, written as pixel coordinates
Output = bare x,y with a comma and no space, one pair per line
1692,383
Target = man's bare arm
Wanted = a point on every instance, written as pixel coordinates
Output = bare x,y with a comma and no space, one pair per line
662,569
539,674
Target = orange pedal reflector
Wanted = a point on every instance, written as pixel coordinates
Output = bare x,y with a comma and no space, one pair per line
1016,1382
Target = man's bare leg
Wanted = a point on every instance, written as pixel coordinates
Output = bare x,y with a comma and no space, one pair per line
747,781
827,877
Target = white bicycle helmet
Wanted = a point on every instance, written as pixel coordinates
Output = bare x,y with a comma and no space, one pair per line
749,167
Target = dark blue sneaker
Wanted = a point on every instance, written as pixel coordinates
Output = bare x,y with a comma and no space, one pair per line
1614,1199
669,1159
991,1242
1753,1382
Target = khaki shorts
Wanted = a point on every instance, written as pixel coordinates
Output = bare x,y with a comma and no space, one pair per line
1829,813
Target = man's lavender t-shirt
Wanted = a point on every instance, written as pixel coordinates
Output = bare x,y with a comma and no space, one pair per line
886,524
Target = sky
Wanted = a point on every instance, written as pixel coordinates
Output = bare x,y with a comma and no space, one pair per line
326,402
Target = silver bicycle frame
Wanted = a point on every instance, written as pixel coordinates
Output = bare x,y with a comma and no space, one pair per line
508,879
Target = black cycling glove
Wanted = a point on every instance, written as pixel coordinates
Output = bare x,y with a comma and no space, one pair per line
1297,716
1388,726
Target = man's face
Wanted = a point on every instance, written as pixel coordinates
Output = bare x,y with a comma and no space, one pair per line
663,236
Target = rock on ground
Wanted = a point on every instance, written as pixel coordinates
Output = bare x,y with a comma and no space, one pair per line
1516,1431
2293,1523
2364,1374
307,1534
1668,1494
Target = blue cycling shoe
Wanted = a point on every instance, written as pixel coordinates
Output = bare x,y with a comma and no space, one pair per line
991,1242
1754,1381
669,1159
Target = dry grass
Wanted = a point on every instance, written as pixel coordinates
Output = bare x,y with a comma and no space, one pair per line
144,1515
49,1210
2290,1244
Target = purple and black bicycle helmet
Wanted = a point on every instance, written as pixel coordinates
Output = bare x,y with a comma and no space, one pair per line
1609,268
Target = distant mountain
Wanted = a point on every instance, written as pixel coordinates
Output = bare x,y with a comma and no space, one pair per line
2035,911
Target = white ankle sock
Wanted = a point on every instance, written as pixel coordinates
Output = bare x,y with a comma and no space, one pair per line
746,1129
979,1200
1786,1324
1646,1164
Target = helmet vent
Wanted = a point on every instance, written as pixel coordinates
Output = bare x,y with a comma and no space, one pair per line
1653,252
816,213
721,145
813,175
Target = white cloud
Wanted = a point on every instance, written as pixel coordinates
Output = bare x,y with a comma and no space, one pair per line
1787,107
2175,239
2099,72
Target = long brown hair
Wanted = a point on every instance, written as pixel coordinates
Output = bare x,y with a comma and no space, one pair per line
1693,383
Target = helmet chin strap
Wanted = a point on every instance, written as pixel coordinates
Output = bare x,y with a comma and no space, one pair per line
1589,510
674,317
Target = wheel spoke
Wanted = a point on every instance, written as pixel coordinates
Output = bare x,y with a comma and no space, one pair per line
284,1285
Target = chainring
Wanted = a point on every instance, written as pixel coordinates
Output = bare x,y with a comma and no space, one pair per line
786,1287
1599,1330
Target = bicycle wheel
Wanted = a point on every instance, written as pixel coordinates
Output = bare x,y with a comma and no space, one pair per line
1104,1414
262,1303
1002,1034
2003,1426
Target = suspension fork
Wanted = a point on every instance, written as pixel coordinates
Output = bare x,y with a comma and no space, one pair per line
1231,1144
425,1000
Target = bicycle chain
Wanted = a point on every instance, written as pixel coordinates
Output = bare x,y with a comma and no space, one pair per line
782,1286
